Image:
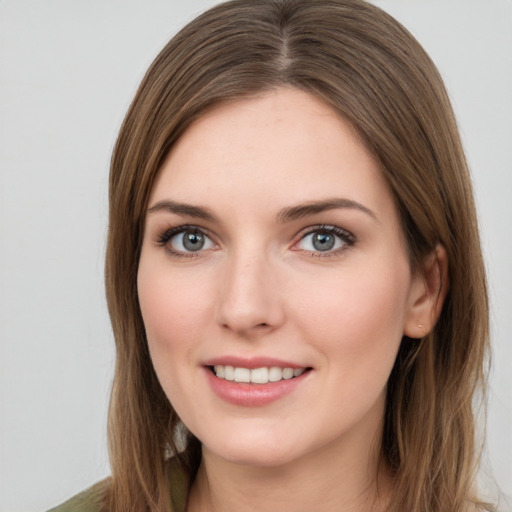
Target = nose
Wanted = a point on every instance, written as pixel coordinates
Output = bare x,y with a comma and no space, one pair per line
250,301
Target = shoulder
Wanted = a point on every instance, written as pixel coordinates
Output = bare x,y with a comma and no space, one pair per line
93,499
90,500
179,481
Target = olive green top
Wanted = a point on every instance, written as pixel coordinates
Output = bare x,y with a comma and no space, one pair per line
91,499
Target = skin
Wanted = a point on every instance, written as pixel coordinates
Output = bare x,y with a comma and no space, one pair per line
259,287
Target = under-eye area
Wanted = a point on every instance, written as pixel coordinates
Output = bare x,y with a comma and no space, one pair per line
262,375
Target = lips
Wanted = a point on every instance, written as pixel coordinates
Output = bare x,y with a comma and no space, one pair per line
254,382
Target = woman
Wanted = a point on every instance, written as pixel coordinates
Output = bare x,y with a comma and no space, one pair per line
294,275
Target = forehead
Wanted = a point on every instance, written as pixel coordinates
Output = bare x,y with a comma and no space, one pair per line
285,144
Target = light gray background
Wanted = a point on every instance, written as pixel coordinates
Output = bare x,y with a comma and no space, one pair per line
68,69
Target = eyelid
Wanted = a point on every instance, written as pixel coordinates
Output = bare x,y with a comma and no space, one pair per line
163,238
346,237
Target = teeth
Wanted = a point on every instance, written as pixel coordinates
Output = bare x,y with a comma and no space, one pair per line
257,375
242,375
275,374
287,373
229,373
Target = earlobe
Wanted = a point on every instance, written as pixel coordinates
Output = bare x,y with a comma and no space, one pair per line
428,292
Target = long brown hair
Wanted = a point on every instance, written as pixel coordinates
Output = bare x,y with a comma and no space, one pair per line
370,70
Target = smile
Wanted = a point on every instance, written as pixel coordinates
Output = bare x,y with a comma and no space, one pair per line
256,375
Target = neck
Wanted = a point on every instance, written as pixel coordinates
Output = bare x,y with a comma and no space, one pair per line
340,476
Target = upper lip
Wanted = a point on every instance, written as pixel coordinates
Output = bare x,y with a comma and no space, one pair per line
251,362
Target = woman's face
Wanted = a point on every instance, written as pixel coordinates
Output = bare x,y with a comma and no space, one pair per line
273,249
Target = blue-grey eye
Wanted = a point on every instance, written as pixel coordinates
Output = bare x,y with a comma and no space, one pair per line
190,240
324,240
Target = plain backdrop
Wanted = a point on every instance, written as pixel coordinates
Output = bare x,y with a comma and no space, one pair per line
68,70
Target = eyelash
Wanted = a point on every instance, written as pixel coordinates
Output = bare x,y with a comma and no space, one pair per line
164,239
345,236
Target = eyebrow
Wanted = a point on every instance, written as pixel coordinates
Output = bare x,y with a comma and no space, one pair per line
183,209
313,207
287,214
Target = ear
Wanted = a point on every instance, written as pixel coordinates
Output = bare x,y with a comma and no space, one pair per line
428,291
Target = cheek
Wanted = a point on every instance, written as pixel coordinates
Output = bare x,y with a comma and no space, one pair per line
357,321
171,304
175,310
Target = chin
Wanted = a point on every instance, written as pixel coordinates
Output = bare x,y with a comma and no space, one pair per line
256,451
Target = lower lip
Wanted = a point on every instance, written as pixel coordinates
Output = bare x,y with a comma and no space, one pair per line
252,395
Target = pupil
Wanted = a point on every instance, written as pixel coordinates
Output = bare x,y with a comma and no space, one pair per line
323,241
193,240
